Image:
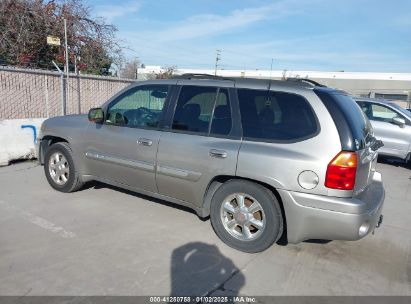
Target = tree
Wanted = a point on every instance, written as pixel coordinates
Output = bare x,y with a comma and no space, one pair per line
25,25
166,73
130,69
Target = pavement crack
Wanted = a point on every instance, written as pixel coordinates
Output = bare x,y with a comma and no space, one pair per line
396,227
27,292
221,285
232,275
23,169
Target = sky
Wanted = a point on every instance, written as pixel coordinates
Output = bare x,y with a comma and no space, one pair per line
323,35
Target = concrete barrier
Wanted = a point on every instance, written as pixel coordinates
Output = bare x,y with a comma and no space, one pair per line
18,138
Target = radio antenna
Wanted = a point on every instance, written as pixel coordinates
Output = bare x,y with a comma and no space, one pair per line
269,83
271,71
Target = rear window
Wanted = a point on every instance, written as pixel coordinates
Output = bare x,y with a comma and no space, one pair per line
203,110
353,126
276,116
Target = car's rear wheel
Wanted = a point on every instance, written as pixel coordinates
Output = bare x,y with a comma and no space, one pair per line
59,168
246,216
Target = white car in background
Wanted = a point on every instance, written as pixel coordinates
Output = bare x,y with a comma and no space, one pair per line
392,125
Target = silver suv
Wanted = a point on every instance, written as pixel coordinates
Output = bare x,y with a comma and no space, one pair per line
263,159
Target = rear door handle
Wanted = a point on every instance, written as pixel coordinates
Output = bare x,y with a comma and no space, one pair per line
218,153
145,142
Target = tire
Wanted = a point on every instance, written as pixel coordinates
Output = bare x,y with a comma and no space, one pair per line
60,170
243,235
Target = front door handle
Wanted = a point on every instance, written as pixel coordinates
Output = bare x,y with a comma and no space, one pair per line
218,153
145,142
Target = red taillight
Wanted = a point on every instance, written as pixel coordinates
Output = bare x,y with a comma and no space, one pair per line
341,171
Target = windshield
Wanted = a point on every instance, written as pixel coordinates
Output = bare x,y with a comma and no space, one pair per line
401,110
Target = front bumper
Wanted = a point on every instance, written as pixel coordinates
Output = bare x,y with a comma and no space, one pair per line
37,147
310,216
41,147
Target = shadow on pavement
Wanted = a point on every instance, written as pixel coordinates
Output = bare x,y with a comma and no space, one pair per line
394,162
200,269
317,241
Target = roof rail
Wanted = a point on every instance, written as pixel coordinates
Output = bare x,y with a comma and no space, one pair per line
306,80
199,76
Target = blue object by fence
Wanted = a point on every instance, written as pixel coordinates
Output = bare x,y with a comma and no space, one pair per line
34,131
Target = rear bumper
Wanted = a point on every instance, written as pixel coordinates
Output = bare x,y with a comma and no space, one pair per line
312,216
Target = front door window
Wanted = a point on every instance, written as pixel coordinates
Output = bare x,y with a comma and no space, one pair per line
140,107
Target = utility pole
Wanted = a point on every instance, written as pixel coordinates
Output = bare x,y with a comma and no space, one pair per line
75,65
77,72
217,59
408,98
67,58
62,89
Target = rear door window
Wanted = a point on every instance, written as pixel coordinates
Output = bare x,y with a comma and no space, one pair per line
276,116
366,108
350,119
204,110
222,122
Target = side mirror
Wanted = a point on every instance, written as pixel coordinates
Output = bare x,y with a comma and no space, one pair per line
96,115
399,121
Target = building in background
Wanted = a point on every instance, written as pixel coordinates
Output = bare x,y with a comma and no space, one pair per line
392,86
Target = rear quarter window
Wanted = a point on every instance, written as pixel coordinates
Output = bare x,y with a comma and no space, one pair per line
353,126
276,116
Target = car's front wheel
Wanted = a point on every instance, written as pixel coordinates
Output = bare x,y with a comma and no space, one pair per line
246,216
59,168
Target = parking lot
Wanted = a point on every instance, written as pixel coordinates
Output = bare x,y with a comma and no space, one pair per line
107,241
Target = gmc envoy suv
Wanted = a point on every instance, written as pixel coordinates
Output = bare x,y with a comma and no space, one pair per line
263,159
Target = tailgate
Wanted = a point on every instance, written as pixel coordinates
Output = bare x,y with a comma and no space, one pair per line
356,134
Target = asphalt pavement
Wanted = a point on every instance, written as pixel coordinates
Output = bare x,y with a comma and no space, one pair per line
107,241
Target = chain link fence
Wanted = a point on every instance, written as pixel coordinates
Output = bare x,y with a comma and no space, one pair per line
29,93
40,94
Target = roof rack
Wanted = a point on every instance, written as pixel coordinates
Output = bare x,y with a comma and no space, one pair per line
199,76
306,80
